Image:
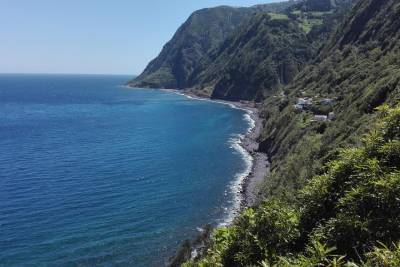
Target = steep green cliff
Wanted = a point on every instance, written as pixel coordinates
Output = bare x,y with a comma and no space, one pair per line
188,50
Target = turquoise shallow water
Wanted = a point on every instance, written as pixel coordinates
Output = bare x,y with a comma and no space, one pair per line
95,174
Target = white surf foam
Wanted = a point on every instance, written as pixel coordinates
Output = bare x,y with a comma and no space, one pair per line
236,186
250,121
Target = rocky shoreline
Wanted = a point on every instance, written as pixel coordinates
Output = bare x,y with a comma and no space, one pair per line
260,165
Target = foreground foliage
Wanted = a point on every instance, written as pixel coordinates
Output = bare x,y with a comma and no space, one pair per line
348,216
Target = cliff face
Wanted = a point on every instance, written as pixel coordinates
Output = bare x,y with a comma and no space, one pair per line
188,51
243,53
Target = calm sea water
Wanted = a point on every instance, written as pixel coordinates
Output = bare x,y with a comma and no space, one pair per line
95,174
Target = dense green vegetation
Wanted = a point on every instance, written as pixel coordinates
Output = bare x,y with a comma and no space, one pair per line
349,214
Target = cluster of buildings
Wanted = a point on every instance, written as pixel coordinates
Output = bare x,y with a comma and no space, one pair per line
306,102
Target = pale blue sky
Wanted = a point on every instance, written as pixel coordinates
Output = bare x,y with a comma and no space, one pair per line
91,36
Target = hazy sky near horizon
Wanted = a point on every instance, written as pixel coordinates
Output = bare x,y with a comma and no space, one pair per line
91,36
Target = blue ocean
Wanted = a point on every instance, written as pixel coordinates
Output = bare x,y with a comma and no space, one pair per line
93,173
